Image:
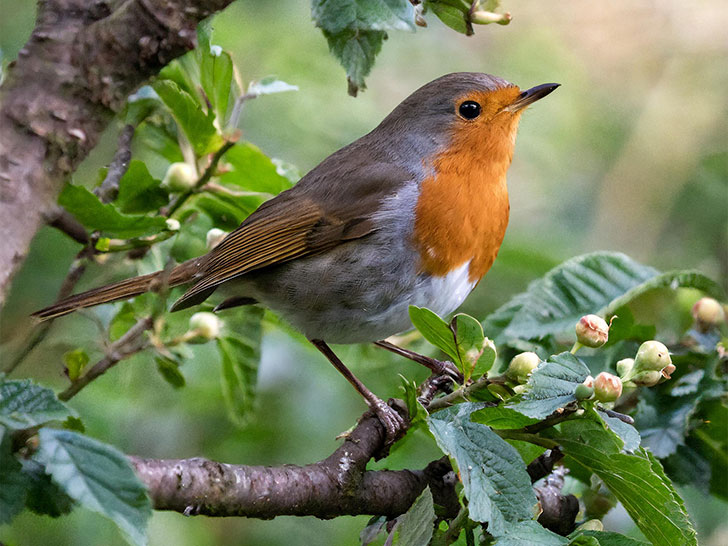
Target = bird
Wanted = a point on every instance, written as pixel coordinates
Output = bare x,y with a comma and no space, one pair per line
412,213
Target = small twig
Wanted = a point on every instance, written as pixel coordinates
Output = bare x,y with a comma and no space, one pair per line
65,222
204,179
214,187
621,416
560,415
526,437
109,188
127,345
463,393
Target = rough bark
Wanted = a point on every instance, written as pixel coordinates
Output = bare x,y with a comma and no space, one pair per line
81,62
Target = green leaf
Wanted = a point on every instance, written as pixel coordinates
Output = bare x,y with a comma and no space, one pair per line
552,385
637,480
270,85
501,417
138,191
14,484
75,362
450,15
252,170
336,16
95,215
493,475
198,127
530,533
599,283
98,477
417,524
626,432
476,355
154,135
416,411
169,370
240,356
226,212
141,105
216,77
606,538
123,320
44,496
435,330
24,404
356,51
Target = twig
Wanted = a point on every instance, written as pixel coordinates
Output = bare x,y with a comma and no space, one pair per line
109,188
337,485
463,393
129,344
65,222
543,465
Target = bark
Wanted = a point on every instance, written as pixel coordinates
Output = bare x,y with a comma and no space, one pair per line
81,62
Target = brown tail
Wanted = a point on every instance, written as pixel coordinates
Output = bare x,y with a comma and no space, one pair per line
128,288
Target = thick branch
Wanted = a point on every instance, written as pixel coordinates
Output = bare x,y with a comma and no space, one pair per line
79,65
338,485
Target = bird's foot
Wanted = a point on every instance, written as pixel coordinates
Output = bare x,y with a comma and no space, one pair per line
394,424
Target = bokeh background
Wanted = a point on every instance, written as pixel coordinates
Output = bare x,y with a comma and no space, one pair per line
630,154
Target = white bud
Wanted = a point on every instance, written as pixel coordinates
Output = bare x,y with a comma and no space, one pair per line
172,224
179,177
206,325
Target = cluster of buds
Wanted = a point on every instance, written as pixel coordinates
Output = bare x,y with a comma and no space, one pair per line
708,314
592,331
521,366
651,364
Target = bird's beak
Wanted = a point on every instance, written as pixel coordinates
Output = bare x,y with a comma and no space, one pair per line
530,96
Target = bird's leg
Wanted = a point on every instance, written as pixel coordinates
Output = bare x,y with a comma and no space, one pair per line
394,424
438,367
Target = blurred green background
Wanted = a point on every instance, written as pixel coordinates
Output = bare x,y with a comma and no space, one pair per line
630,154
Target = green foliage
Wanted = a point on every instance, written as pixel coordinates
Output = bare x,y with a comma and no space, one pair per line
24,404
415,527
552,385
495,482
98,477
139,192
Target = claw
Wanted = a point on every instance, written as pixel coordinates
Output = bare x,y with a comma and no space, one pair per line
394,424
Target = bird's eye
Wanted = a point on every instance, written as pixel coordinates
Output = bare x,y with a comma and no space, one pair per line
469,109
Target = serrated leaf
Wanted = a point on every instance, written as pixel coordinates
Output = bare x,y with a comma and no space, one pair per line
637,480
44,496
450,15
530,533
435,330
216,78
501,417
95,215
417,524
336,16
356,51
14,484
239,359
198,126
98,477
552,385
606,538
598,283
494,478
626,432
139,191
24,404
252,170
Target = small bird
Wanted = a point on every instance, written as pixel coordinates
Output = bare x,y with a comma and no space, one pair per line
413,213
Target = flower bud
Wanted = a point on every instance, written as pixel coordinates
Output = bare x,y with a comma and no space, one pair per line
607,387
589,381
648,378
214,236
522,365
591,525
652,355
624,367
592,331
519,389
179,177
172,224
583,392
207,325
708,313
481,17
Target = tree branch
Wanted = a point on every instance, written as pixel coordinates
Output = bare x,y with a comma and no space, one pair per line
81,62
338,485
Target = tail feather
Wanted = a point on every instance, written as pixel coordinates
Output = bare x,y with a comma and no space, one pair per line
121,290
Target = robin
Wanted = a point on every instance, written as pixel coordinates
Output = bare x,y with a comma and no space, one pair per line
412,213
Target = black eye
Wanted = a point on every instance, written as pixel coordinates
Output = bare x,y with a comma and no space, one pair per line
469,109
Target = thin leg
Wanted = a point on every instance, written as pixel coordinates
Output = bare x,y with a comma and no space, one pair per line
391,420
438,367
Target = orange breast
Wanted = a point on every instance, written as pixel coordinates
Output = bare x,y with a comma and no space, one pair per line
462,212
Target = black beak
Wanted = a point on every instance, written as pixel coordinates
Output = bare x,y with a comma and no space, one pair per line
530,96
